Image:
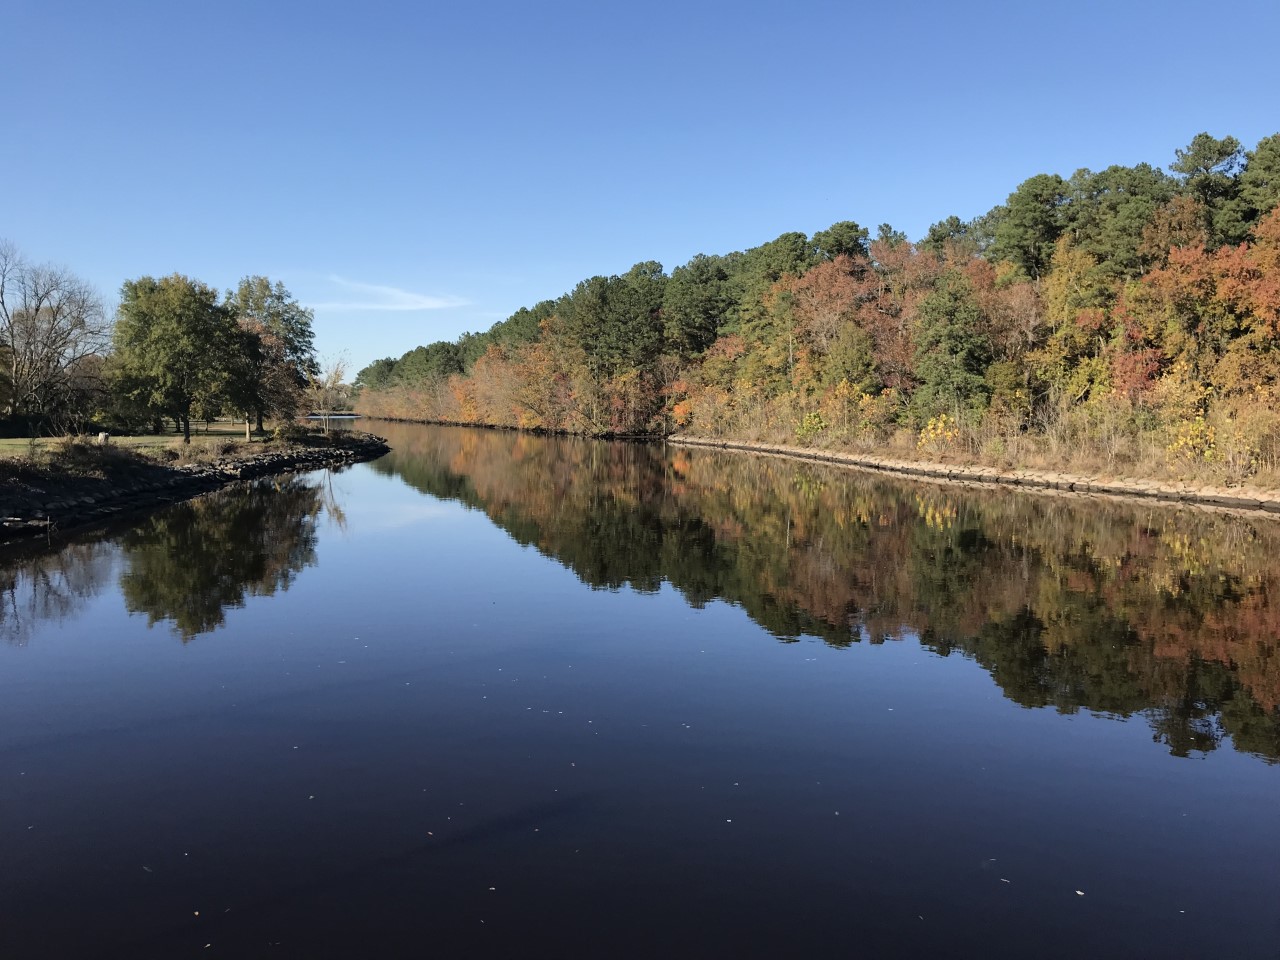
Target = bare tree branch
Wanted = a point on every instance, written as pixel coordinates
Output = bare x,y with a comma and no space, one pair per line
51,324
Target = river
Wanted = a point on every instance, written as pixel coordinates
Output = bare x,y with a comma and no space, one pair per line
499,695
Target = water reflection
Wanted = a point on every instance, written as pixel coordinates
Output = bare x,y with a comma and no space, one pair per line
1103,606
50,587
189,564
184,566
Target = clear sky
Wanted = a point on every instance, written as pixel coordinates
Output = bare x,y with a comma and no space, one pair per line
414,170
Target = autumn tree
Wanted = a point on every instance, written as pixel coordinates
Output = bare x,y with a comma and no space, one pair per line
1075,303
1217,314
827,298
552,387
1014,308
1126,284
1178,223
278,348
902,278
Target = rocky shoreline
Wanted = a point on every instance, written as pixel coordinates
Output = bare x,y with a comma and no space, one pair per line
1235,499
36,504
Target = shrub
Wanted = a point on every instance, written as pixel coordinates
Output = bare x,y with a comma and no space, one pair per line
292,432
809,427
939,433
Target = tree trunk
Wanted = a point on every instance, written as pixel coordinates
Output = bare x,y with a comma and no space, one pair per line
186,429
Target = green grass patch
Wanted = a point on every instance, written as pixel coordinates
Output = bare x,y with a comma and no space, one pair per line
216,434
86,457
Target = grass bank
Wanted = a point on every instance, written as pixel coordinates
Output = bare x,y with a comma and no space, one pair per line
62,484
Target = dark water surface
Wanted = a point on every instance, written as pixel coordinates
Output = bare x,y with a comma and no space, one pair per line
504,696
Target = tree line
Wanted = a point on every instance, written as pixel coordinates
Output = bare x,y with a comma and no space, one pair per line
177,350
1120,312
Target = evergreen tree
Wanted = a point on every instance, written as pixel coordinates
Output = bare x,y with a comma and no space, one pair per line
952,351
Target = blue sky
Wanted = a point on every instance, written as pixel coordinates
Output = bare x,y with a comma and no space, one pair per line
414,170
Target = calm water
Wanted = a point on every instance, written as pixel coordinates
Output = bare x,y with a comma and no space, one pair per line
503,696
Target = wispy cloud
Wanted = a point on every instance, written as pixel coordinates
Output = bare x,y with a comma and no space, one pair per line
371,296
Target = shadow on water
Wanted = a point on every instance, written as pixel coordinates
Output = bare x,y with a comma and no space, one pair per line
1114,608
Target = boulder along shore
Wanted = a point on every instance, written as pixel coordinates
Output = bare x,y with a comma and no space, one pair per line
44,502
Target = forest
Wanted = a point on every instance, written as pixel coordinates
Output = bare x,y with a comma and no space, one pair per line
1126,319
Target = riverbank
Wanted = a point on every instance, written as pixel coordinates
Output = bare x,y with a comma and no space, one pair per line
1241,498
87,486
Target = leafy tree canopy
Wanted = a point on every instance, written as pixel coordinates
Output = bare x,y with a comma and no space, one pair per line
274,308
175,344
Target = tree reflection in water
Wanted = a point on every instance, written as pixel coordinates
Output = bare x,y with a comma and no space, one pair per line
51,586
1114,608
188,564
1110,607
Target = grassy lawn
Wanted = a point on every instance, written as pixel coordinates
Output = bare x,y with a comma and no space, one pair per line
144,443
77,458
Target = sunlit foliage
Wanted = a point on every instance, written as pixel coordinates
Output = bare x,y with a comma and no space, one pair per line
1094,317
